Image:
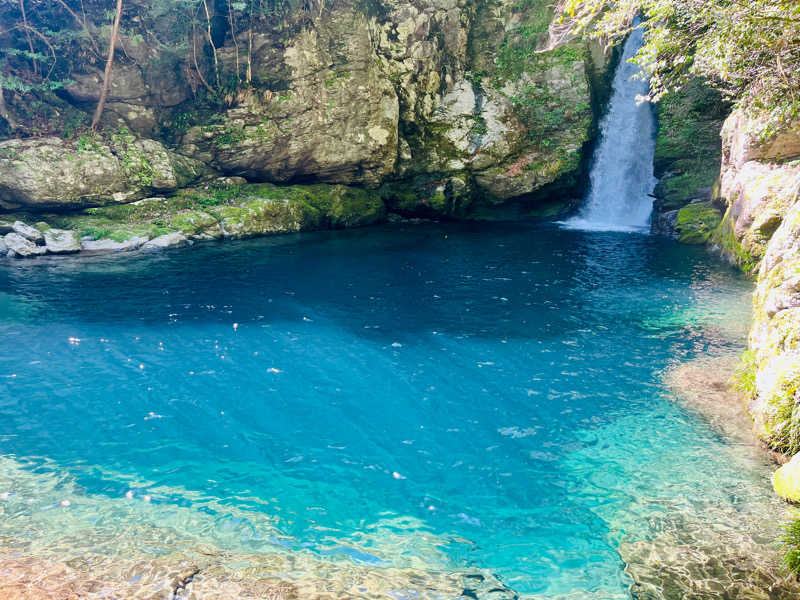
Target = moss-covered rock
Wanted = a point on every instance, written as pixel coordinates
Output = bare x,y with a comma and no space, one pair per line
688,153
360,94
761,233
47,173
725,241
758,195
695,222
430,196
215,211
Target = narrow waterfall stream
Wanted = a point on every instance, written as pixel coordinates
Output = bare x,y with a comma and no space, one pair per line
622,168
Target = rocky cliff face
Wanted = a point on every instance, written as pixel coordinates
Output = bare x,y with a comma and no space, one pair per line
687,163
447,107
760,183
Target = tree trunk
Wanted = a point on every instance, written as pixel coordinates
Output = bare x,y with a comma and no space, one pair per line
28,35
109,64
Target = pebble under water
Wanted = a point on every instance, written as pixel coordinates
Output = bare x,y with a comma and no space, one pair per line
430,397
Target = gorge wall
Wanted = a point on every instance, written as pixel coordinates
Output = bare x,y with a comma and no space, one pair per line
444,108
760,232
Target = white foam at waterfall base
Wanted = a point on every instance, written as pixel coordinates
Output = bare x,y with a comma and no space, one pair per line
621,177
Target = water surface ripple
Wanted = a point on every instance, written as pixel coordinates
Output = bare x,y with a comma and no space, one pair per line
433,397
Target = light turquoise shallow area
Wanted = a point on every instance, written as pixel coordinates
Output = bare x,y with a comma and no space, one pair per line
437,396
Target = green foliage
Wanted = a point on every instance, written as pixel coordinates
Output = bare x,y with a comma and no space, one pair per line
88,142
790,541
725,238
749,50
134,162
744,378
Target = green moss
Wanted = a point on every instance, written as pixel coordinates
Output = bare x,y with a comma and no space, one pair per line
784,429
246,210
334,77
689,122
517,52
725,238
134,163
688,147
675,190
426,196
696,222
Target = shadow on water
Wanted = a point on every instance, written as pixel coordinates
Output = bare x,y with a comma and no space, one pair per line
471,279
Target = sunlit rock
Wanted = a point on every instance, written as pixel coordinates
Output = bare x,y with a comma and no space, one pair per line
108,245
22,247
168,240
61,241
786,480
28,232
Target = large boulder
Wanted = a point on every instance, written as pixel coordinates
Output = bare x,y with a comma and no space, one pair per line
507,114
44,173
745,138
775,338
168,240
28,232
107,245
759,184
335,121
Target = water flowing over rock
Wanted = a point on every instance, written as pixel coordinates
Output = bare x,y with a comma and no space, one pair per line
622,167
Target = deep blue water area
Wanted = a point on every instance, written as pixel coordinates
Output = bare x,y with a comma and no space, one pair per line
457,395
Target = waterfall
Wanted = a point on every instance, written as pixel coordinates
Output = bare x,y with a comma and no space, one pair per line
621,177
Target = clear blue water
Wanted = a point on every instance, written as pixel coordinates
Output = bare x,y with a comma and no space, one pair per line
438,395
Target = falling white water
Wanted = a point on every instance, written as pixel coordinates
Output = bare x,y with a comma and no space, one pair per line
622,178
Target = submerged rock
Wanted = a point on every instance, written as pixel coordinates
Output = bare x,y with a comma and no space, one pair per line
704,385
61,241
19,246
